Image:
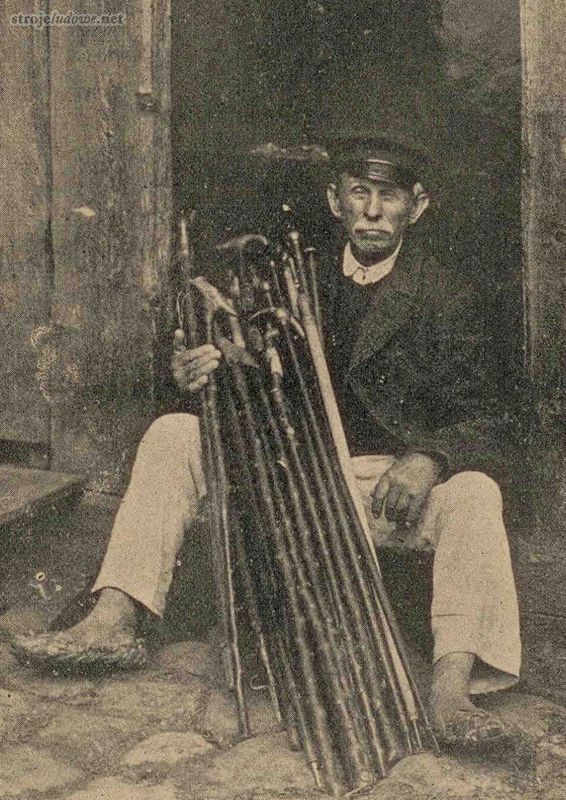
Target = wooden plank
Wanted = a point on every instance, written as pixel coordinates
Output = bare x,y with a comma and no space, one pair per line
24,258
110,114
25,492
544,200
542,561
544,195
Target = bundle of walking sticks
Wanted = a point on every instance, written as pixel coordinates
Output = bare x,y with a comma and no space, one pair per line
293,555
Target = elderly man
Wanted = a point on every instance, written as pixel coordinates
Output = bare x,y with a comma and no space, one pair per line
407,366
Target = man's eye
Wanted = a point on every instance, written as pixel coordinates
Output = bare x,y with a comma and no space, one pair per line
387,195
358,191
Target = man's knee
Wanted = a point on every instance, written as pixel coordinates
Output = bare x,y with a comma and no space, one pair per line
172,428
469,520
471,487
169,453
475,483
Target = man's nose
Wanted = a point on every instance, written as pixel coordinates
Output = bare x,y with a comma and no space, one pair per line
374,206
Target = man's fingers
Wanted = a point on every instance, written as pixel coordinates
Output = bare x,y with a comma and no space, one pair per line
414,512
391,502
195,375
379,495
198,384
197,353
202,368
203,362
205,349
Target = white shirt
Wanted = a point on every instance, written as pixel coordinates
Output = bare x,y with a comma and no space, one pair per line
352,268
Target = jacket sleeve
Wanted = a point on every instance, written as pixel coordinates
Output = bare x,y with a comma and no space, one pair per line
471,427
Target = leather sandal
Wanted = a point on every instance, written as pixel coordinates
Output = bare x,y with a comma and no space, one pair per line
478,731
57,651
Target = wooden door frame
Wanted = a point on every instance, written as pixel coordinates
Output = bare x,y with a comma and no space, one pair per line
542,554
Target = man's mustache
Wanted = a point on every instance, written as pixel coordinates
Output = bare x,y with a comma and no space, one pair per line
383,231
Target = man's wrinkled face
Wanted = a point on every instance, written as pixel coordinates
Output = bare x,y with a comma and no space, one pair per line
374,213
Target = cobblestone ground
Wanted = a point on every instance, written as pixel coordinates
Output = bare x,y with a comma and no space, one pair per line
169,733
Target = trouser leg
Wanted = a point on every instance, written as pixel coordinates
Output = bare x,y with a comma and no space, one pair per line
162,499
474,607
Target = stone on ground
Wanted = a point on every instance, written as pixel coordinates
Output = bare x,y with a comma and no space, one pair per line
116,789
192,657
91,740
13,706
71,691
544,723
23,769
390,789
151,701
8,661
443,776
168,748
219,718
12,702
262,764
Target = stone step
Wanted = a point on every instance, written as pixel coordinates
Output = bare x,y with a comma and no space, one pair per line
26,492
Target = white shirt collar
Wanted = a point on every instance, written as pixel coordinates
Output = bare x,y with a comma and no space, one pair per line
352,268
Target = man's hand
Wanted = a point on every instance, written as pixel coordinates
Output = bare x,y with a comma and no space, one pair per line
405,488
191,368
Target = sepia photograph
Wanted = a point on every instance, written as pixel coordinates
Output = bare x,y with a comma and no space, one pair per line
283,400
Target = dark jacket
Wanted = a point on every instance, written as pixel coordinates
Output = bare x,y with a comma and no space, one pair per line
421,364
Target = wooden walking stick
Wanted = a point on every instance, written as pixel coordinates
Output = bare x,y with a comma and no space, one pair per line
216,478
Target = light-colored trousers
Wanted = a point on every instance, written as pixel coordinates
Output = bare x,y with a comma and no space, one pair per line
474,606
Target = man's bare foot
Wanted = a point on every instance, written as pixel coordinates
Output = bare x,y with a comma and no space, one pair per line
449,694
458,723
105,639
114,618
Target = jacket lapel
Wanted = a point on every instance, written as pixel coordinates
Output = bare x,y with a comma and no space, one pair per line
397,299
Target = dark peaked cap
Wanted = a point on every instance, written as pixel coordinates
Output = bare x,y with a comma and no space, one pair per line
380,157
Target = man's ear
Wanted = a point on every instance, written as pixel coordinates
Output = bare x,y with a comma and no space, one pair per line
421,202
333,201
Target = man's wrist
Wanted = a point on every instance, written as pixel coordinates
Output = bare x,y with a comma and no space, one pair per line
439,460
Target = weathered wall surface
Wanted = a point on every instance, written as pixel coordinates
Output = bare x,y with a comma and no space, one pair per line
84,234
482,50
110,176
25,267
